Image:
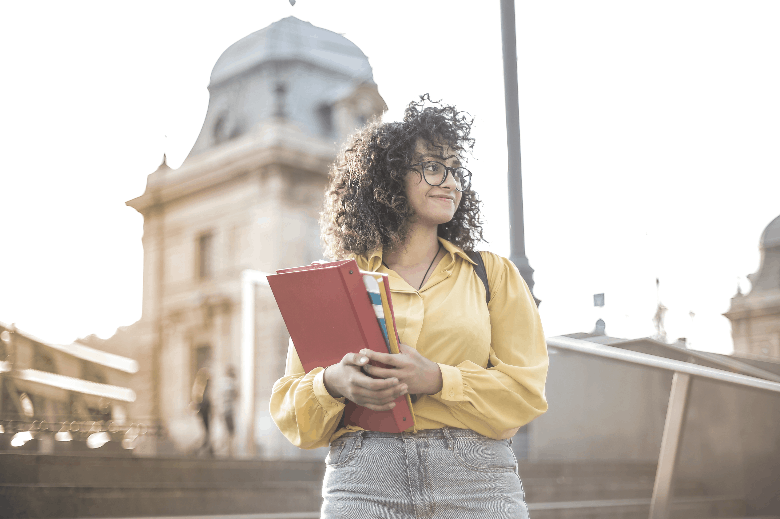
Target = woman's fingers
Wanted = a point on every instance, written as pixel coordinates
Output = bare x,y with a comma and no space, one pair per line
355,359
385,358
381,396
374,384
378,386
377,394
406,349
381,373
367,390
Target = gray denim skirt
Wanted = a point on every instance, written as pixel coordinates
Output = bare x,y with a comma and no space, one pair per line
433,474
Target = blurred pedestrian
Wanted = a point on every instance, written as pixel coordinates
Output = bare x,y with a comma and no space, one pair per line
229,399
201,399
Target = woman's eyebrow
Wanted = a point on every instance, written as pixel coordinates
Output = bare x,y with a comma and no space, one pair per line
440,157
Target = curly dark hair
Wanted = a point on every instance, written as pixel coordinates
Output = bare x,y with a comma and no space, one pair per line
365,203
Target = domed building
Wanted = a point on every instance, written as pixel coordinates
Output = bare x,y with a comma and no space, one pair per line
247,197
755,316
314,79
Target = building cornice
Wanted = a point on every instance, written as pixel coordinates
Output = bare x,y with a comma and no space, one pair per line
276,142
754,305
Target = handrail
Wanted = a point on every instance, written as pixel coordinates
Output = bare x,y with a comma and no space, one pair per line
729,363
653,361
660,503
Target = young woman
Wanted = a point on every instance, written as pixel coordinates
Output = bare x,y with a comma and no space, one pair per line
400,202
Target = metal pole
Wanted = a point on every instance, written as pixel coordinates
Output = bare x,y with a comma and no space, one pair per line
660,504
514,176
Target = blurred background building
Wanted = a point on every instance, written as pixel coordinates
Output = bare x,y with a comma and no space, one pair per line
65,398
248,196
755,316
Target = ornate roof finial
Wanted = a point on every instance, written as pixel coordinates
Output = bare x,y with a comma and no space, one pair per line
164,163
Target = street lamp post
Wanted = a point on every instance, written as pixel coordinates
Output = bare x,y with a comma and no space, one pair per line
514,177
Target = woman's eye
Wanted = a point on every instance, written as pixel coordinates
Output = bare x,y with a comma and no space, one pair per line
432,166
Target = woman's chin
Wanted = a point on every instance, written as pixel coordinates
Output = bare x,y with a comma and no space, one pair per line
433,219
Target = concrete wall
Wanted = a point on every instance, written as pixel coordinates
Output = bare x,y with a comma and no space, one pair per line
608,410
600,409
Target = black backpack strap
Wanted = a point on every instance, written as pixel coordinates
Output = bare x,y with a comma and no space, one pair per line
481,271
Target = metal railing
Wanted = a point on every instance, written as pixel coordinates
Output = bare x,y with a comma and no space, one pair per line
675,413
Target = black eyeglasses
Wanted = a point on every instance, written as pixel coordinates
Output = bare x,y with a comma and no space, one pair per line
435,174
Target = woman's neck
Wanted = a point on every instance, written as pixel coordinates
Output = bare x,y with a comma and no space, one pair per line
419,247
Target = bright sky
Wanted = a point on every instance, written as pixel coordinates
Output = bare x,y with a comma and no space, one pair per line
649,137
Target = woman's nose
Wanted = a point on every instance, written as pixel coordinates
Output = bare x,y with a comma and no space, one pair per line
449,182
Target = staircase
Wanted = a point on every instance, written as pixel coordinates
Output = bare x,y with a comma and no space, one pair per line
70,485
612,490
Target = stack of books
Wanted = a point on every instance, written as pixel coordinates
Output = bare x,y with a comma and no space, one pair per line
332,309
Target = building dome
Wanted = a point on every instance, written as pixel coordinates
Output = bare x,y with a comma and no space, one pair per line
770,238
291,39
290,72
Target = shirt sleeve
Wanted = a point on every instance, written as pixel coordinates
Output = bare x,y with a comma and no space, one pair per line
301,406
499,399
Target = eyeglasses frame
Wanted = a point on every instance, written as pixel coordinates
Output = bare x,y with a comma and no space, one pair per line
447,171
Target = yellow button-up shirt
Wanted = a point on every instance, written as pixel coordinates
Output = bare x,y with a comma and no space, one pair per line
493,357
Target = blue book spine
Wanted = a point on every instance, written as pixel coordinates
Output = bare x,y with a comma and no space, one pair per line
372,286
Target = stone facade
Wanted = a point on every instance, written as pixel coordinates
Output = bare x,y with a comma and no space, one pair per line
755,316
247,197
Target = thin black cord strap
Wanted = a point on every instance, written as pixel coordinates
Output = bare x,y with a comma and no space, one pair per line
429,267
426,272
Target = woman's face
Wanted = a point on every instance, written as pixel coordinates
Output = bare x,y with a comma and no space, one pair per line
432,205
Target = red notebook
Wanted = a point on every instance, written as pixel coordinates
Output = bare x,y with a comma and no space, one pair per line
328,314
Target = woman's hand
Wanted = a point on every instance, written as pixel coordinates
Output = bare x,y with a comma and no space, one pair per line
420,375
346,379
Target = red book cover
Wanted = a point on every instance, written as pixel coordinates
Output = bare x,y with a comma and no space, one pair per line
328,314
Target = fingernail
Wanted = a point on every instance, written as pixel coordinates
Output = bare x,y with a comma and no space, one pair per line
363,359
403,392
392,405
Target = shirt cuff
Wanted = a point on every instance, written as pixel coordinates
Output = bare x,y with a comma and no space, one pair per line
327,402
452,384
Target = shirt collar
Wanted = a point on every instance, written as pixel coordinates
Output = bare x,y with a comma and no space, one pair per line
454,250
373,260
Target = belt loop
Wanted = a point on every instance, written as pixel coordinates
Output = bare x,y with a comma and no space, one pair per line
510,441
359,439
448,439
